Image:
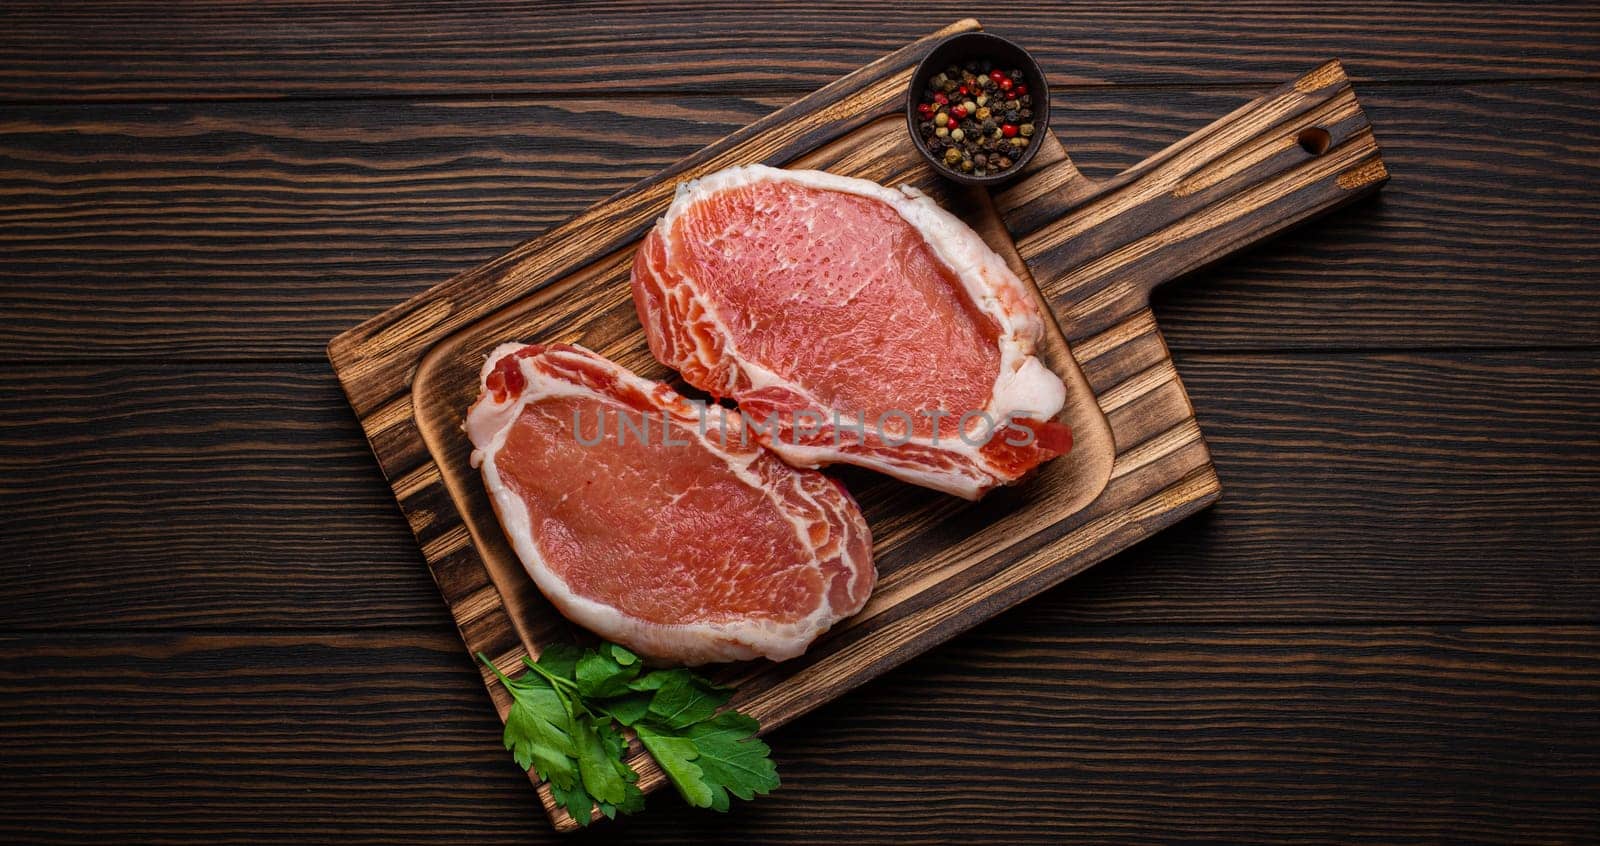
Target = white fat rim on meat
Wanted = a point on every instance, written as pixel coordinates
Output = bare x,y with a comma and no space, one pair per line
488,424
1024,387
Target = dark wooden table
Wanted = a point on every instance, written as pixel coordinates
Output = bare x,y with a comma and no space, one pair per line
215,627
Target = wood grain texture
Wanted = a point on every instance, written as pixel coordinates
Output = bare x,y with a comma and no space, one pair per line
241,496
144,50
1139,463
1099,250
169,271
1127,734
1095,253
283,224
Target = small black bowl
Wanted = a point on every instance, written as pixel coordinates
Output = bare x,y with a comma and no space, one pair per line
980,46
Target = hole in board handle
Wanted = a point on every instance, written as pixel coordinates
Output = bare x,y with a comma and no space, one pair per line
1314,140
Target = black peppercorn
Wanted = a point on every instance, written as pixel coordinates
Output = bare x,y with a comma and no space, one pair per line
968,117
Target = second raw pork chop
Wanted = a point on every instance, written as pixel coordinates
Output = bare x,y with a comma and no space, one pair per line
864,322
674,536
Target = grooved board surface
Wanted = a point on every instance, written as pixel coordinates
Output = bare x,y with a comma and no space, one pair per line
1095,252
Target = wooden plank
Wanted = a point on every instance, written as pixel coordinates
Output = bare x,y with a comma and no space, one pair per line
231,495
1404,484
1468,758
101,51
1297,153
239,496
284,224
1039,732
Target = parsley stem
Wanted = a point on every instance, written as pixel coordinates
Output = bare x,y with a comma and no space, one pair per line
554,680
490,664
566,689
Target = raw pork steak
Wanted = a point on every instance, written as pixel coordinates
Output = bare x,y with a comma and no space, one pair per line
656,530
864,322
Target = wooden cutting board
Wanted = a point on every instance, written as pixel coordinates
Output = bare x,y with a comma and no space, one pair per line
1094,252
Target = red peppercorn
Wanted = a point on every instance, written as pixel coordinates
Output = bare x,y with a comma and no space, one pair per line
1007,85
963,89
958,113
953,123
926,110
1019,90
997,75
940,98
1009,130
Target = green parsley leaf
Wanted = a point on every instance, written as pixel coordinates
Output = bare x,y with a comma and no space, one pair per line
676,756
733,758
538,733
628,708
539,728
600,675
683,700
633,803
577,802
605,776
654,679
563,725
710,760
559,659
618,654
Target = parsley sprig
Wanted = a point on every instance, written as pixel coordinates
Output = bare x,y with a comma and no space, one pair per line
564,722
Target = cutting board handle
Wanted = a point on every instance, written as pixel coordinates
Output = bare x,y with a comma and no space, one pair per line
1098,250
